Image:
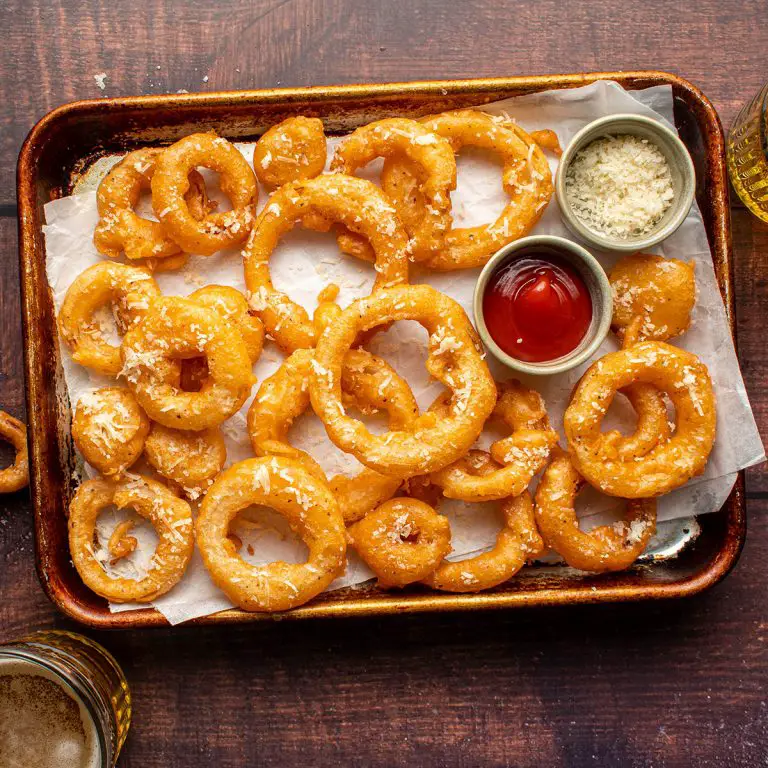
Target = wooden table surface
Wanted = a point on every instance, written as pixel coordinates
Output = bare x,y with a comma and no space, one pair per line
673,684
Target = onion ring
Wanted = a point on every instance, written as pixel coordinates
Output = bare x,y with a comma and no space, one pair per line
109,429
431,159
128,290
521,455
454,359
177,328
170,184
517,542
671,463
170,516
359,205
121,230
310,509
192,460
16,476
606,548
369,384
653,297
402,541
294,150
526,179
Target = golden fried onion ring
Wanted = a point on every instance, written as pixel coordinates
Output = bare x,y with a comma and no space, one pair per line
671,463
605,548
454,359
433,164
306,503
109,428
121,230
526,179
177,328
170,516
653,297
356,203
170,184
517,542
192,460
293,150
520,456
369,383
16,476
402,541
128,290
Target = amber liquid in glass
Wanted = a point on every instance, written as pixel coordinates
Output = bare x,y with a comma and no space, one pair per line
747,155
63,702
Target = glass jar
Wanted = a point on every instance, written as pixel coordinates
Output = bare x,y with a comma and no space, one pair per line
747,154
57,676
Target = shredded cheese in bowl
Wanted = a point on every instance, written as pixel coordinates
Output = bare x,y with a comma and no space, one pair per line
619,186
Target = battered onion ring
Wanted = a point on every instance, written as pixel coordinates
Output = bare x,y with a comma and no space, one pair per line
402,541
128,290
170,184
670,464
121,230
433,164
192,460
606,548
454,359
369,384
176,328
356,203
16,476
310,509
232,305
109,428
293,150
521,455
526,179
653,297
170,516
517,542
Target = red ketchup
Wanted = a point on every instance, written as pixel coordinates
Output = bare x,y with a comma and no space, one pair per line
537,307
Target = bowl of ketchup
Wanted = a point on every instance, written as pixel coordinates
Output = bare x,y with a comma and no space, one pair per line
543,305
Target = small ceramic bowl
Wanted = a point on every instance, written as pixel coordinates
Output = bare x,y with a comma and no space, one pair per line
680,166
594,278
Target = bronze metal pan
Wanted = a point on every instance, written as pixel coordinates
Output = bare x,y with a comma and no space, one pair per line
69,138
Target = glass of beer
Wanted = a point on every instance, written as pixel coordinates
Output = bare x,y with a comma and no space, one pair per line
64,701
747,154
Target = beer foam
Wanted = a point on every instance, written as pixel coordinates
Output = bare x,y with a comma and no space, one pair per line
42,725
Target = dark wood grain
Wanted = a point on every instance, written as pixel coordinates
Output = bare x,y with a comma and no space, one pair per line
637,685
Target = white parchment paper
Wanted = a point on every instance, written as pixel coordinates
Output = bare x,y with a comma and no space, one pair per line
305,262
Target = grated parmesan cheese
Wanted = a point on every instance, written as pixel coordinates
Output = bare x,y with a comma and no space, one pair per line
619,186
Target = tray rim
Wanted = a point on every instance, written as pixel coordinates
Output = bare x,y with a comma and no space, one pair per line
587,591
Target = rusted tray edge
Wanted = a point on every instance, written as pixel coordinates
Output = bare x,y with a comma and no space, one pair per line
32,269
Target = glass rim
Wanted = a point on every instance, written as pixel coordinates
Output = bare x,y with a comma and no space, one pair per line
73,684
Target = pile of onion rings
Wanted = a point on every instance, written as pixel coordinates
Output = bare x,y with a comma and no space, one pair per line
186,366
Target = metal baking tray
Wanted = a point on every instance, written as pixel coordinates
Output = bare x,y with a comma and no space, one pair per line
70,138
